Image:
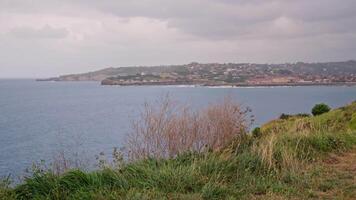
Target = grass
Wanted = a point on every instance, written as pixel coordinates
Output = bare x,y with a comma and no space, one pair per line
286,161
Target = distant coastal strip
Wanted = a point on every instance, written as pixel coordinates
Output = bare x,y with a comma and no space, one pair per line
227,74
229,85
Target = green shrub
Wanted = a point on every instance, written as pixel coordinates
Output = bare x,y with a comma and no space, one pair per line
319,109
256,132
5,191
302,115
284,116
287,116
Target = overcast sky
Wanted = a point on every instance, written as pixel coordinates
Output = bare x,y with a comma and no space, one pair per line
42,38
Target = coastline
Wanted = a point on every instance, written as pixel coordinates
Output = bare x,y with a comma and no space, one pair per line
208,85
347,84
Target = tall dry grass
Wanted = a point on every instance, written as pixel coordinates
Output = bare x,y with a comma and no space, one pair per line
169,129
288,144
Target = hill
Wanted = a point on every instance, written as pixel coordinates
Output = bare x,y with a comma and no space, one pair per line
224,74
299,157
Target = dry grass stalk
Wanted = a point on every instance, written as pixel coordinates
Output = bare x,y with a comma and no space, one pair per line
170,129
276,154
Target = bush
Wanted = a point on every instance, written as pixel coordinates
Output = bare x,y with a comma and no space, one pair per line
5,191
256,132
284,116
302,115
167,130
287,116
319,109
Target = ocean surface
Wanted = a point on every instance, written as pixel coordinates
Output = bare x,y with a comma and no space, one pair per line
40,119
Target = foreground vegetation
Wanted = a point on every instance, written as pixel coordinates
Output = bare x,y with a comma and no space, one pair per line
291,158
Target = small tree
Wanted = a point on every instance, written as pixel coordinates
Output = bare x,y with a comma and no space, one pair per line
319,109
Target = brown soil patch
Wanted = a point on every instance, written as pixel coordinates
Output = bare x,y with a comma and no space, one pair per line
340,174
343,162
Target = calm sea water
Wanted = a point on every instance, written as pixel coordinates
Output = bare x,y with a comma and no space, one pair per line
38,119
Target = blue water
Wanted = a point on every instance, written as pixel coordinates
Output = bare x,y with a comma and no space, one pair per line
38,119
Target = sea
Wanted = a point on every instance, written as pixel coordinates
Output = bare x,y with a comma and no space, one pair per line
40,119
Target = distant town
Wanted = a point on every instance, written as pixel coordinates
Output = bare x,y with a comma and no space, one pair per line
227,74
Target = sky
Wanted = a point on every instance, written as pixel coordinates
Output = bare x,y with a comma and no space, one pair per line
45,38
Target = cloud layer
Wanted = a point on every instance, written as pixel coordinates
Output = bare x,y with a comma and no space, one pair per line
44,38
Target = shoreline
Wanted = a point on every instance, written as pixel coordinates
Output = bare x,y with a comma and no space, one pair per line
337,84
347,84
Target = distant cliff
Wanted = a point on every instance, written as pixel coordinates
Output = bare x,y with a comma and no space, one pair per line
111,72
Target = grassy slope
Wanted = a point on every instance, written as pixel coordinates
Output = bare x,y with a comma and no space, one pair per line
291,159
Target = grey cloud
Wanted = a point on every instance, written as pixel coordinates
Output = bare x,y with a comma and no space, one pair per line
212,19
46,32
121,32
226,19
